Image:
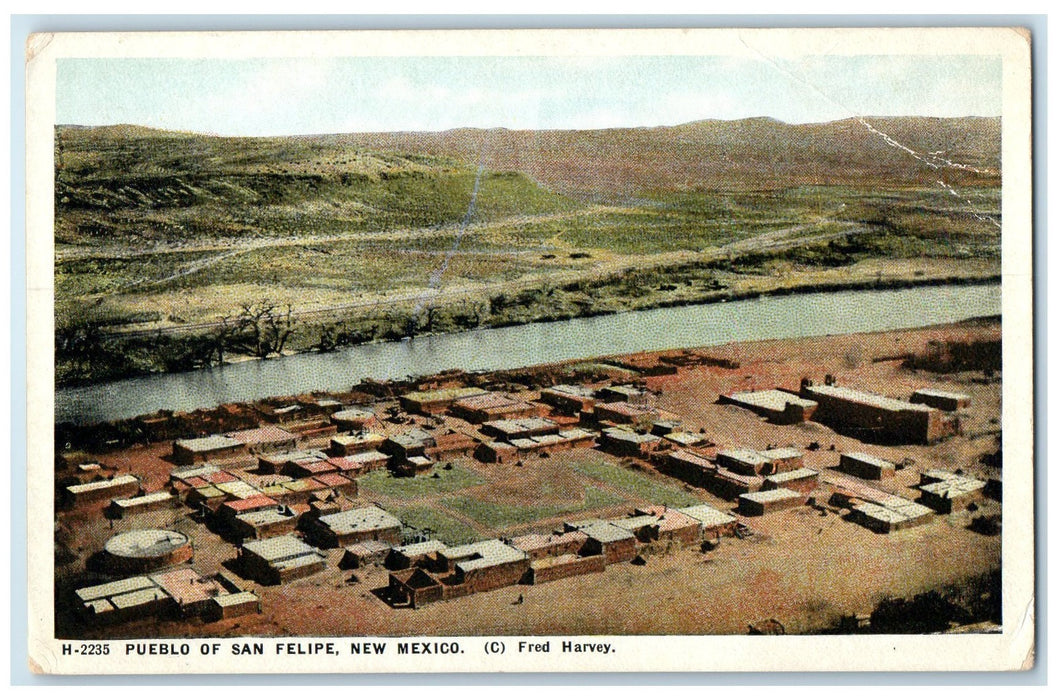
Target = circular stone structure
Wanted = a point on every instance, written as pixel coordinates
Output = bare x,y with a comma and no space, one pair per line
138,551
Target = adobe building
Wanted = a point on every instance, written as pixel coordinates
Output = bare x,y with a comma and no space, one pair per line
140,551
951,494
364,554
438,400
622,393
615,543
147,503
188,589
263,524
776,405
510,429
751,462
95,492
554,568
493,406
712,523
684,440
355,443
667,525
280,462
890,514
538,546
879,418
803,480
280,559
482,566
356,525
420,554
412,443
866,466
764,502
943,400
569,399
742,460
354,420
234,507
414,587
450,444
361,463
625,443
730,485
232,605
686,466
205,449
184,479
123,600
339,484
623,413
267,438
413,466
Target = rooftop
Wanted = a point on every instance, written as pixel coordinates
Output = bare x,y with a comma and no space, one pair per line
256,502
770,496
869,459
782,453
602,531
942,394
881,513
145,543
352,414
574,390
480,555
263,517
266,433
867,398
480,402
451,394
228,599
743,455
199,470
536,540
105,484
419,548
280,548
105,590
771,399
156,497
238,489
707,515
209,444
794,475
367,519
626,409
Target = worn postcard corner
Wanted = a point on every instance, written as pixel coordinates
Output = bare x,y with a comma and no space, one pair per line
653,350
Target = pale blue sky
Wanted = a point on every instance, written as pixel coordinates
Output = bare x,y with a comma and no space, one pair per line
304,95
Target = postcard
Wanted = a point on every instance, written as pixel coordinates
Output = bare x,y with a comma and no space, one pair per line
530,350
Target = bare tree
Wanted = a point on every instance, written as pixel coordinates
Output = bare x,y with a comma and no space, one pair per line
261,329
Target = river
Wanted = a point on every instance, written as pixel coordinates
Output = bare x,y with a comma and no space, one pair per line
793,316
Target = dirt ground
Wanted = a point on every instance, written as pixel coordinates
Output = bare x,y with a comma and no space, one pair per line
803,567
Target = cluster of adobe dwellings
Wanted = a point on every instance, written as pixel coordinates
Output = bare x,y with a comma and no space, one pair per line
281,495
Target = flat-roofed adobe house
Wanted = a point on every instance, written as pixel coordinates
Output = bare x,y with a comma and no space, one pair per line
280,559
204,449
356,525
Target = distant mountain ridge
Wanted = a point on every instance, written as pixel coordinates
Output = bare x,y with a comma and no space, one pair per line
754,153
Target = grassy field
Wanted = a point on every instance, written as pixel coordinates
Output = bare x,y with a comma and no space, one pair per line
441,526
502,516
437,480
651,489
